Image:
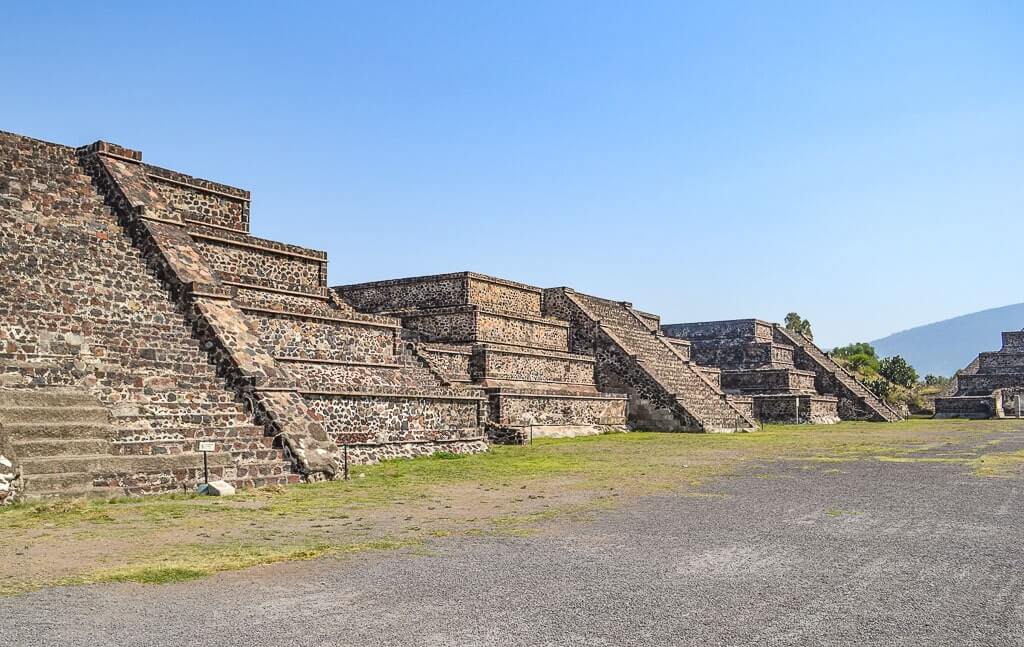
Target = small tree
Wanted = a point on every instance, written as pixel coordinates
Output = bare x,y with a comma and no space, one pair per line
863,363
935,380
860,357
860,348
898,371
796,323
879,386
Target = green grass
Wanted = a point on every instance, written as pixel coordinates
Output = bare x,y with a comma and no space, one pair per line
402,503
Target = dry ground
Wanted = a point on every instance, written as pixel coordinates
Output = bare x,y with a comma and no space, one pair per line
403,505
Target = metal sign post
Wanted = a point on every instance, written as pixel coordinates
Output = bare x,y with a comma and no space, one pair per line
345,461
205,447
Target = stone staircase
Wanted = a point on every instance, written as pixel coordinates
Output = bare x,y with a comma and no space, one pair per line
354,373
62,440
82,310
752,363
667,391
488,336
856,401
991,386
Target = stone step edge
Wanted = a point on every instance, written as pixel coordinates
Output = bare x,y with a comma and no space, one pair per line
430,312
409,396
336,362
556,396
319,317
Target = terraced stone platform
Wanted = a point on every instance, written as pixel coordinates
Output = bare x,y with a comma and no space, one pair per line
666,391
992,386
754,364
789,378
140,291
481,332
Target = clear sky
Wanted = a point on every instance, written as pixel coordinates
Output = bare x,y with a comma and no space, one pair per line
861,163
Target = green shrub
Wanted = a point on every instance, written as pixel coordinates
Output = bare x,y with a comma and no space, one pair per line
898,371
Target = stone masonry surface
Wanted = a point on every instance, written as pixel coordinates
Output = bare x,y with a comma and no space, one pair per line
484,333
82,314
753,363
139,317
666,391
992,386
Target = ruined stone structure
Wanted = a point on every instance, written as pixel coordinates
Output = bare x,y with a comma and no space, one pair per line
138,317
490,334
752,363
992,386
789,378
666,390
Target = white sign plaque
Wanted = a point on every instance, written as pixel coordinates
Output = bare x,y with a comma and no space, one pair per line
207,446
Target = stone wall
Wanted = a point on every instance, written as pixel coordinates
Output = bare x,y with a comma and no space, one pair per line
255,265
768,380
533,333
973,407
453,325
481,332
749,329
468,324
999,362
379,419
297,335
985,383
422,293
444,291
501,363
533,409
208,202
504,296
987,388
450,361
740,353
1013,341
797,409
371,453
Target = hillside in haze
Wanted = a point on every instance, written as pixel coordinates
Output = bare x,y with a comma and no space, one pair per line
943,347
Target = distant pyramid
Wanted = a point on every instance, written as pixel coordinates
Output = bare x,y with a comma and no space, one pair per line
944,347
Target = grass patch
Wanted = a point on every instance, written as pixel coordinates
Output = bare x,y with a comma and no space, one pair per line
153,575
510,491
836,512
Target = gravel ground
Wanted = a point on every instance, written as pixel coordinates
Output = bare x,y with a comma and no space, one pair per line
786,553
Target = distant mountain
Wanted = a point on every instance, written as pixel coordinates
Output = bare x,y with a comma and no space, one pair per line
944,347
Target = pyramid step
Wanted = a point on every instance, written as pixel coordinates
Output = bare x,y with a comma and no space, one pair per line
25,449
56,430
54,414
38,491
143,423
111,464
41,484
224,433
45,398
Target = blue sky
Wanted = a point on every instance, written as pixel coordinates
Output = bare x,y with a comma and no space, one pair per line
861,163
